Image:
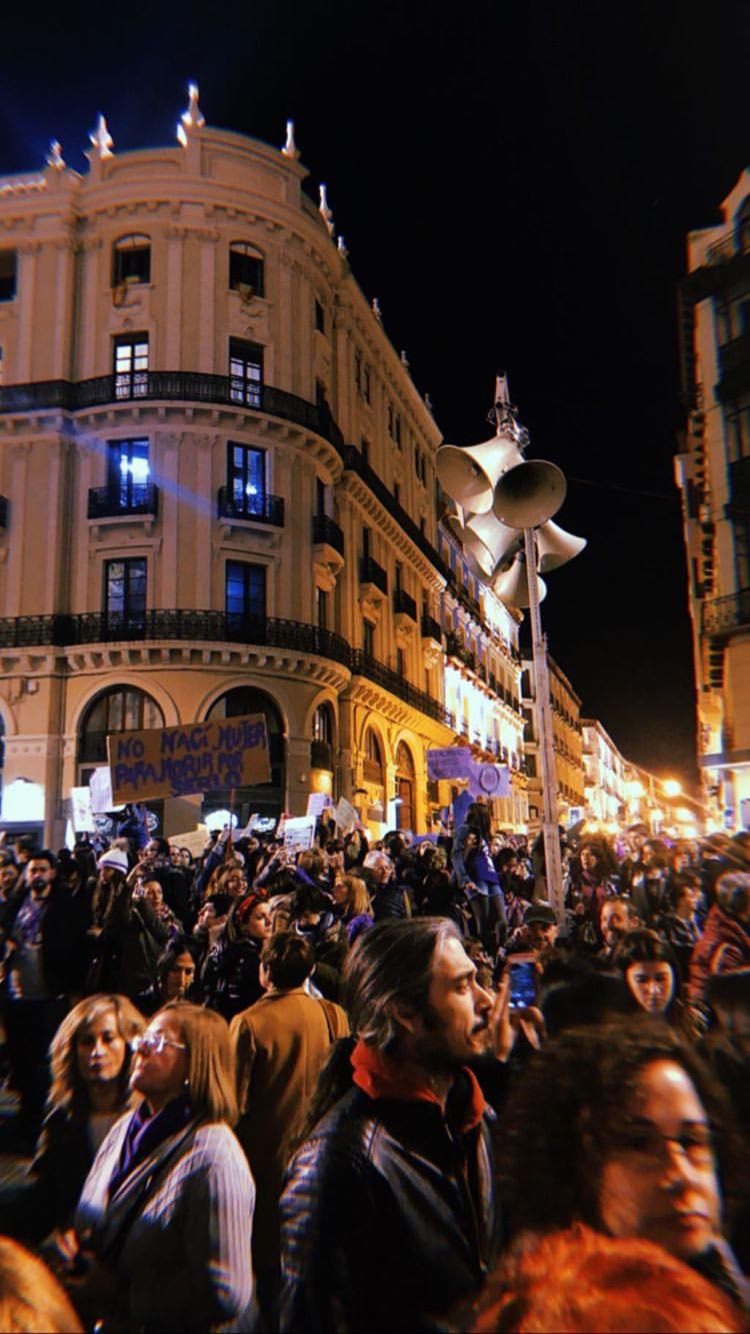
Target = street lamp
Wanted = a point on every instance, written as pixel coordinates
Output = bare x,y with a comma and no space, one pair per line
504,507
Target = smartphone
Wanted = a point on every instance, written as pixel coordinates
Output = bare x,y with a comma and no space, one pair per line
523,979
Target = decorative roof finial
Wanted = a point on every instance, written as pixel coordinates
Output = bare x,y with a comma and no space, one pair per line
377,312
290,148
325,210
428,403
54,157
342,248
191,119
404,359
101,138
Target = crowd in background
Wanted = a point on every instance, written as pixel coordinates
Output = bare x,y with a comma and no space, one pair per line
166,1020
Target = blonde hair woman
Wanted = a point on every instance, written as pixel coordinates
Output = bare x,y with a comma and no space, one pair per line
31,1298
164,1224
353,905
91,1058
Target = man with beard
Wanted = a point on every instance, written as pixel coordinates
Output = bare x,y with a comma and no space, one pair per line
616,920
388,1217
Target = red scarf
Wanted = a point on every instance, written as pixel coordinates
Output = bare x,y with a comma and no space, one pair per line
381,1076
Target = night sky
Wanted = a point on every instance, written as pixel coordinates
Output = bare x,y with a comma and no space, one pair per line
514,183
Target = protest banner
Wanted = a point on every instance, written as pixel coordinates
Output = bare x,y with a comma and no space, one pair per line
448,762
345,816
299,834
196,757
100,787
81,811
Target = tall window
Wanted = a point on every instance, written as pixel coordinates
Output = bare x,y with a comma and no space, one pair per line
121,709
320,317
125,593
321,608
245,269
365,543
128,472
358,372
368,638
246,478
131,260
245,590
401,663
245,372
7,275
131,365
320,496
365,447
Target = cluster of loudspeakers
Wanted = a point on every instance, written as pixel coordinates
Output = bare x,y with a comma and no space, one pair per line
498,493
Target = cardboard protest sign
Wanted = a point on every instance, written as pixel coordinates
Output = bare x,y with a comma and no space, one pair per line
489,780
345,816
299,833
100,787
317,802
194,840
448,762
80,809
196,757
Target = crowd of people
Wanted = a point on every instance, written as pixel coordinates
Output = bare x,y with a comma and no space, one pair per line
379,1084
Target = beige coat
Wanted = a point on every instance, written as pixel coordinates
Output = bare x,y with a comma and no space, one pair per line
280,1043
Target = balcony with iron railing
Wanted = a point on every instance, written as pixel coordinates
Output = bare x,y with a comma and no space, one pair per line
723,616
75,629
261,508
734,368
431,629
372,573
326,532
168,386
404,604
113,502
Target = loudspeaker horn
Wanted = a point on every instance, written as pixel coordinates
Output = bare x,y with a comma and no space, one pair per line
555,547
489,541
529,494
456,521
513,585
470,473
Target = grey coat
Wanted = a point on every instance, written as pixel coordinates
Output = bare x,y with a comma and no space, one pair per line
178,1230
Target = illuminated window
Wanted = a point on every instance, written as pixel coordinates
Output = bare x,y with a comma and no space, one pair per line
131,365
245,372
131,260
245,269
7,275
245,590
128,472
121,709
246,478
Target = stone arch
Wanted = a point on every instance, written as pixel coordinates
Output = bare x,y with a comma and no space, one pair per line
129,682
7,719
116,707
406,787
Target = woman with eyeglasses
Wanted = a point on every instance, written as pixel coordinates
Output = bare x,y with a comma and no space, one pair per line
91,1059
620,1128
163,1228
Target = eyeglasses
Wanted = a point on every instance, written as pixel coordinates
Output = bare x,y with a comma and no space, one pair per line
644,1143
153,1044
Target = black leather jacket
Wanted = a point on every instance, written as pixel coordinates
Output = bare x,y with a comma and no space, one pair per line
388,1217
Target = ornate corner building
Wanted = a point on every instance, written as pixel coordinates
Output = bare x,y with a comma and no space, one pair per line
217,490
713,473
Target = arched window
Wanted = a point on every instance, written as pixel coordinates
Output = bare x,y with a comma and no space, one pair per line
405,788
120,709
246,274
131,260
265,799
321,753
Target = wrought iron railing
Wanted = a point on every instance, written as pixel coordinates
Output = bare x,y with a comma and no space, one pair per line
262,508
325,529
404,604
107,502
431,629
372,573
722,615
72,630
170,386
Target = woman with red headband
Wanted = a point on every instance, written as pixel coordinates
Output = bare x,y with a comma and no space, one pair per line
231,973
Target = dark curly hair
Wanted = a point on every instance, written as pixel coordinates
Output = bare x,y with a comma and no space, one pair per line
558,1119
